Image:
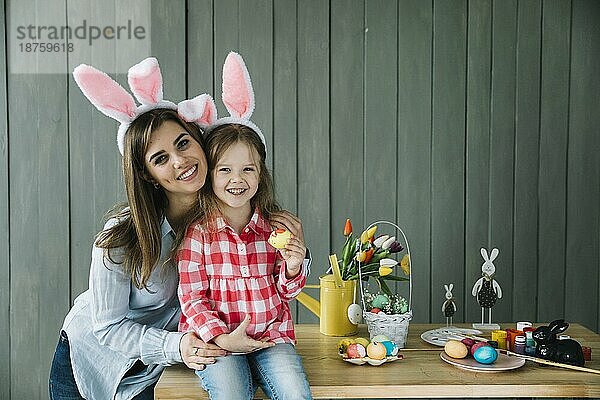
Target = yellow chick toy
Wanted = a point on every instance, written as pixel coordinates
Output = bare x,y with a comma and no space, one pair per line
279,238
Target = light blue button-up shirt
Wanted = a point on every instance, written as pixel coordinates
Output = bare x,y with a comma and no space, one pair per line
113,324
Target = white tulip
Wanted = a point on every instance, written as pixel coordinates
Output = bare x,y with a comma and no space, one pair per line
388,262
386,244
380,240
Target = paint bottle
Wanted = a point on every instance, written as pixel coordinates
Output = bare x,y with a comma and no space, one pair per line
521,325
500,337
519,344
511,334
529,343
587,353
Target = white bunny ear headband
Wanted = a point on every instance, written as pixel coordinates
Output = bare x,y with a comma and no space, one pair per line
145,81
238,96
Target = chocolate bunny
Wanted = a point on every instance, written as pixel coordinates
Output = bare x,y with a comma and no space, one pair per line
566,351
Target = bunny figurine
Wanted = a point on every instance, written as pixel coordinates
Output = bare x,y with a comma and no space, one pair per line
566,351
486,289
449,306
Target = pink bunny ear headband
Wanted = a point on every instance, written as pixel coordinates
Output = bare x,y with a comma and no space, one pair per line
145,81
238,96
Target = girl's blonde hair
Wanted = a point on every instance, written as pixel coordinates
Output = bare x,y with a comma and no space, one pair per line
137,233
217,142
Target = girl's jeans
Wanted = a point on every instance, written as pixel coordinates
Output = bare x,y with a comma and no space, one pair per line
62,384
278,370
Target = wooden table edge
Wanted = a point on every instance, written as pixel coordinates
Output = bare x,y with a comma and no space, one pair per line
418,391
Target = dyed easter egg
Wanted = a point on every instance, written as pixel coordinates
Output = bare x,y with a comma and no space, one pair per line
477,345
279,238
391,349
456,349
356,350
343,344
380,300
379,338
363,341
376,351
485,355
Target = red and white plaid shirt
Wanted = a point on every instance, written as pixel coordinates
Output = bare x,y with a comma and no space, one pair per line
223,276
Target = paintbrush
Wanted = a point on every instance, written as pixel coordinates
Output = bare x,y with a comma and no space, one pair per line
548,362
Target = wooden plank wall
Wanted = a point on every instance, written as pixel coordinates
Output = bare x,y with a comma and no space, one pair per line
469,122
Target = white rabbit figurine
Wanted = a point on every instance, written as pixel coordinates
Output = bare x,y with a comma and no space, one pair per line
486,289
449,306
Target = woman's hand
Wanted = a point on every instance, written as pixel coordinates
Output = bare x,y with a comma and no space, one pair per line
239,342
196,353
286,220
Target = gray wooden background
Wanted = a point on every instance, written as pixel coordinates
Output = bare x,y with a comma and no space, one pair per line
470,123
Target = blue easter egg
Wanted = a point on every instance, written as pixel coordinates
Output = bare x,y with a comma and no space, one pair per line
391,349
485,355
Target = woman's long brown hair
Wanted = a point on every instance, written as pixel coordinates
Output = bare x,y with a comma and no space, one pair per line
137,232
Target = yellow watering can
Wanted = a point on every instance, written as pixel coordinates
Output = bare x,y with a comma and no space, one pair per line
336,296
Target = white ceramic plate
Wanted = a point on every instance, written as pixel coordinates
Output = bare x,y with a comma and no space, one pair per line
440,336
370,361
503,363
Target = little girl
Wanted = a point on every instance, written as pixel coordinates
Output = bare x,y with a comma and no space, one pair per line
234,287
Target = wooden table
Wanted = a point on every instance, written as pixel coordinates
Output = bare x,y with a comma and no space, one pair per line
420,374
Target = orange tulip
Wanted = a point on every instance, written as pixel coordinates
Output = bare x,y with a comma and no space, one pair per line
348,228
369,254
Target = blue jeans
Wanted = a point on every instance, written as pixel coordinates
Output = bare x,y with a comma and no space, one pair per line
62,384
278,370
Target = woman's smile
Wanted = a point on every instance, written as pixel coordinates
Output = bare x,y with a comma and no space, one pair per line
189,174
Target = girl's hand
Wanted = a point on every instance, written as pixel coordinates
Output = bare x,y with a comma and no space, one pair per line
196,353
239,342
287,220
295,250
293,254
